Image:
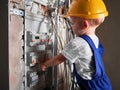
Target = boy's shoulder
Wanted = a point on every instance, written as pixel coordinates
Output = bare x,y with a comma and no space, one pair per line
78,41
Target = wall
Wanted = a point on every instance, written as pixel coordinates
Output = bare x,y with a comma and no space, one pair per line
4,82
109,33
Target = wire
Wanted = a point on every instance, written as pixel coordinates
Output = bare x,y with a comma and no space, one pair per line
61,42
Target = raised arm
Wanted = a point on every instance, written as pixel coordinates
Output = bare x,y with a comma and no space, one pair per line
52,62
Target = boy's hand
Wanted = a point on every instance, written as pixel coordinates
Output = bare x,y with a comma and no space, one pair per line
42,66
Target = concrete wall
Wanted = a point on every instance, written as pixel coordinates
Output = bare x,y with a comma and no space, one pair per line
16,63
109,33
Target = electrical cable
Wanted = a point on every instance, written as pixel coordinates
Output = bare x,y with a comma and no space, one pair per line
60,43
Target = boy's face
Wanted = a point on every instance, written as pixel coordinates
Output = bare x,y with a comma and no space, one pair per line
77,25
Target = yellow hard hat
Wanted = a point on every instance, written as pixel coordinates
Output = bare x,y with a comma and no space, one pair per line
90,9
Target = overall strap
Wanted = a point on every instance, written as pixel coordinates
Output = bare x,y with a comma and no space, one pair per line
89,40
97,55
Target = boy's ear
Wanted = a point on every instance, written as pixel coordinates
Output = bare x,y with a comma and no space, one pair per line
85,24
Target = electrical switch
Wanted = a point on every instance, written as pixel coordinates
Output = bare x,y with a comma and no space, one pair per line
32,78
31,59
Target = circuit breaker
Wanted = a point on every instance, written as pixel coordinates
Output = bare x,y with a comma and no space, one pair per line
38,46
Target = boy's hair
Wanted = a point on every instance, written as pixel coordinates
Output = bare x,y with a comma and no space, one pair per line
96,22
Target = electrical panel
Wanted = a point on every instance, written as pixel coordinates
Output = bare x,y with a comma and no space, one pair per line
41,38
38,31
38,46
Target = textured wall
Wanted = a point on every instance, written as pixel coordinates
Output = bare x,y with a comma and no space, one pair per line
16,64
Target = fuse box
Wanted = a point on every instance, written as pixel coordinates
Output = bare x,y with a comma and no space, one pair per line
40,42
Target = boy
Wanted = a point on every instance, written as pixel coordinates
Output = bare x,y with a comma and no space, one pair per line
85,51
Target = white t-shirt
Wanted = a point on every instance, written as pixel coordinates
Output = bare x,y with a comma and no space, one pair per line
79,52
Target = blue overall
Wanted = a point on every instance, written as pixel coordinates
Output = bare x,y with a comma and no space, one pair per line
100,80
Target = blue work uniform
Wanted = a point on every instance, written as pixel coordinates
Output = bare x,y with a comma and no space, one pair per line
100,80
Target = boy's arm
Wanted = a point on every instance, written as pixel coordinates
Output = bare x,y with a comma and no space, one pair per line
52,62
